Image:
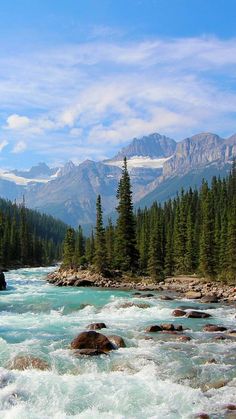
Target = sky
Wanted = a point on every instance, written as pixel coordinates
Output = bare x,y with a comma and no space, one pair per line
80,78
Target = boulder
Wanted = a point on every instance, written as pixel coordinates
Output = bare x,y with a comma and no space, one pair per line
3,284
167,326
154,328
178,313
22,362
192,295
184,338
230,406
96,326
117,341
214,328
202,416
92,340
197,315
166,298
210,299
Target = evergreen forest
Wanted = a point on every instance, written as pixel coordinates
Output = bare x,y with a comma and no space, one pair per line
194,233
28,238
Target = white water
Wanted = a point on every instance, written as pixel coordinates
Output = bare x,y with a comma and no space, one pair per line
155,378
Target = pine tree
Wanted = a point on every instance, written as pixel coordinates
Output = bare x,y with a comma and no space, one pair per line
125,243
155,260
207,240
110,241
68,248
100,259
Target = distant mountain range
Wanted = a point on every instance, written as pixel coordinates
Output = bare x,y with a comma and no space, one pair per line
159,166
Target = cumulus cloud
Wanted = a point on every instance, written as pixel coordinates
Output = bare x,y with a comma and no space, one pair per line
105,93
17,122
19,147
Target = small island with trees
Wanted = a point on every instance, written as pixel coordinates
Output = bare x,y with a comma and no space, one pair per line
187,245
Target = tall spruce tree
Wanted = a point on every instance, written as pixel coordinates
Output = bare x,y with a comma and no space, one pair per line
125,243
69,248
100,258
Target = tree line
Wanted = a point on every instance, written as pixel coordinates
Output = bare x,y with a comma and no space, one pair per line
194,233
28,238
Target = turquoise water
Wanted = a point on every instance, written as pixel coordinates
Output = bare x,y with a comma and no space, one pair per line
150,378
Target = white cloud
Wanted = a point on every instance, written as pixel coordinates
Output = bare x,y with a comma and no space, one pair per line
17,122
3,144
104,93
19,147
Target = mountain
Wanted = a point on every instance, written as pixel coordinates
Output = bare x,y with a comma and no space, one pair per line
153,146
41,171
158,168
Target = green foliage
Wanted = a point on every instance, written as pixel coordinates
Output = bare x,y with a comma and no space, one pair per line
28,237
69,248
100,258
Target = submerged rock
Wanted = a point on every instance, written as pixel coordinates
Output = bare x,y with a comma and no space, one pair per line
166,298
197,315
96,326
3,284
89,352
27,362
184,338
92,340
202,416
214,328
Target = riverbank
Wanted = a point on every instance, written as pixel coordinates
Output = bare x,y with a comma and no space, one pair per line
182,286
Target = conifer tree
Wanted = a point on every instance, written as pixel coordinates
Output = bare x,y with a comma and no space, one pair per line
207,240
68,248
125,243
155,260
100,258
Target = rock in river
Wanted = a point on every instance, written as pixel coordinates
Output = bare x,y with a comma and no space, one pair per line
96,326
26,362
178,313
3,284
214,328
118,341
92,340
197,315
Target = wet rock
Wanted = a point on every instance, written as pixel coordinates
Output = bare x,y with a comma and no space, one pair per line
136,294
117,341
178,313
129,304
96,326
210,299
192,295
215,385
211,361
197,315
26,362
168,326
84,283
154,328
149,295
184,338
230,406
166,298
202,416
92,340
3,284
220,337
89,352
214,328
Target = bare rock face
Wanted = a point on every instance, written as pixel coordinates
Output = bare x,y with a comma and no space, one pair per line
96,326
92,340
27,362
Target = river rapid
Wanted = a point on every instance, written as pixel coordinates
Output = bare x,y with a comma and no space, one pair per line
155,376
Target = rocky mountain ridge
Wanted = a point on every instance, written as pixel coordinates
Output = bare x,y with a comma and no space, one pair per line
161,165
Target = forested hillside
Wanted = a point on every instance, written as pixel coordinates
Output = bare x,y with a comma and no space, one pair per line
28,238
193,233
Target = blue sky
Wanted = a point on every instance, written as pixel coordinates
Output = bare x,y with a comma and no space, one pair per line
80,78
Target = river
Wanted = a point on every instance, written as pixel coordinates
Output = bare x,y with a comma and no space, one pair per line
155,377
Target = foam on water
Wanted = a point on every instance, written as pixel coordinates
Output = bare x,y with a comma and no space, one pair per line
158,377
